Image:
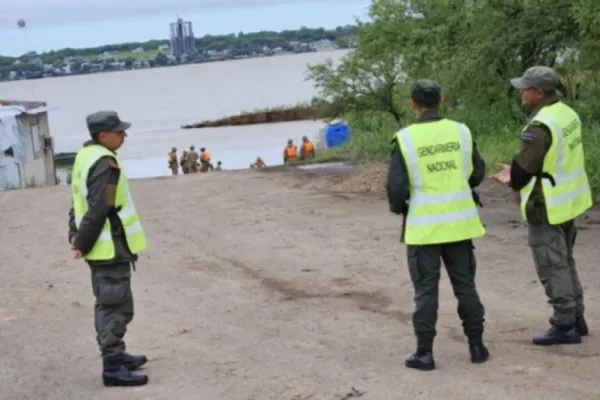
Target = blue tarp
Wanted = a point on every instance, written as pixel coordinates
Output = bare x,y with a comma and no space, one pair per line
336,135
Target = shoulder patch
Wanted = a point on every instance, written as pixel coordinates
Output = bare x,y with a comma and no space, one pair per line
527,136
112,163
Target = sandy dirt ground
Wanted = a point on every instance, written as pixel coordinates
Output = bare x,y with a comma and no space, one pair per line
283,286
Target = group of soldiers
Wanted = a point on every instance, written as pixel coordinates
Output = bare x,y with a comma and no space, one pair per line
434,167
191,162
291,154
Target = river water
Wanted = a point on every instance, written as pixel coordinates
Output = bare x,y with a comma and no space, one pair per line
158,101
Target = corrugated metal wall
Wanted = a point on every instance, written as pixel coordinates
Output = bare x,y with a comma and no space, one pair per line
13,148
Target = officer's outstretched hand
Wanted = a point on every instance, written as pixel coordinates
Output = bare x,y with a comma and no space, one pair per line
503,176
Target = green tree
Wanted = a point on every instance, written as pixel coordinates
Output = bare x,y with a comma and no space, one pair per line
161,59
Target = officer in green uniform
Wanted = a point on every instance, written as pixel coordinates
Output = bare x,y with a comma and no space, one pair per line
550,184
433,169
192,158
104,229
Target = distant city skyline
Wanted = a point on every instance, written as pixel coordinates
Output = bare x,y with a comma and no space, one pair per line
105,25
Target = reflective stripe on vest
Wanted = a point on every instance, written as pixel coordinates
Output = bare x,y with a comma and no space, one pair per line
104,248
565,161
441,208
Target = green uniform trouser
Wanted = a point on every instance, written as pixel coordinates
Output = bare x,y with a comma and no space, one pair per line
552,249
424,263
113,310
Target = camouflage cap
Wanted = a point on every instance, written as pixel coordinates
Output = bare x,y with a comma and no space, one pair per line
538,77
426,91
106,121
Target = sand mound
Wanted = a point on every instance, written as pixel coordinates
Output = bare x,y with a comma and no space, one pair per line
370,180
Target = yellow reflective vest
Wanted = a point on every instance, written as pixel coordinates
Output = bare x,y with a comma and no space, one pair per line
104,249
438,157
565,162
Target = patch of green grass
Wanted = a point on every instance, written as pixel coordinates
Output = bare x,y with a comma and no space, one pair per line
144,55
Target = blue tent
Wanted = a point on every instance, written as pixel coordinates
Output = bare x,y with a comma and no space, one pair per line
336,134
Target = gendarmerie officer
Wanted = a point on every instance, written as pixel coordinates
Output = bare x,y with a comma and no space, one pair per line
550,184
433,168
105,229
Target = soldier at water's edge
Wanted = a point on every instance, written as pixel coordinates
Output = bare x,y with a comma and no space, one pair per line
105,230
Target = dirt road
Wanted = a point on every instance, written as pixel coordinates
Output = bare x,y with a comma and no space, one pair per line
265,285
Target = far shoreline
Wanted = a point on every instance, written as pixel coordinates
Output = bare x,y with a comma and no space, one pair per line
14,82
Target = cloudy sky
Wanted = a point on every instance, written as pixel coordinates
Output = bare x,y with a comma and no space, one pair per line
53,24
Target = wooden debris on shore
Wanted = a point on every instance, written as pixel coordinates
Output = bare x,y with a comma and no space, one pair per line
260,117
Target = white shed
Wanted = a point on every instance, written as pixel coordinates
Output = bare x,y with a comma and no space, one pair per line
26,146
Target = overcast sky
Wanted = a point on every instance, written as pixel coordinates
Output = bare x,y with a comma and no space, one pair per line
53,24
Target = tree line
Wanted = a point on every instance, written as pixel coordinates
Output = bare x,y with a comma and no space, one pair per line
240,42
472,48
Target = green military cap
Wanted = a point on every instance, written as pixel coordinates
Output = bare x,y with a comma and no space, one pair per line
174,149
538,77
106,121
425,91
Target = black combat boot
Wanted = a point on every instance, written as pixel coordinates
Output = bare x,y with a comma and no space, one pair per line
479,353
581,326
558,335
421,360
134,362
116,373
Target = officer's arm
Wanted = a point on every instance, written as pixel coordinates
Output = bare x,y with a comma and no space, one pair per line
530,159
398,189
284,155
72,225
102,189
478,174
